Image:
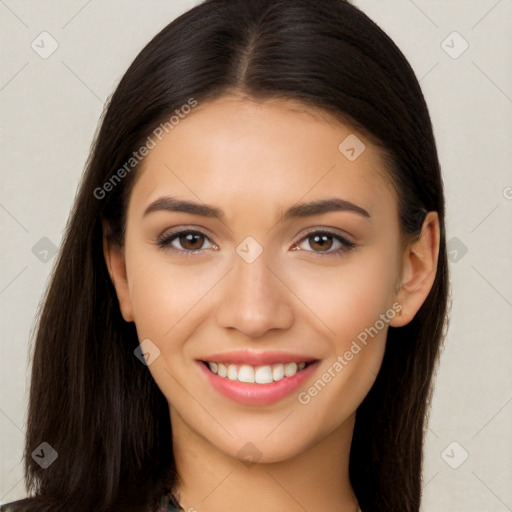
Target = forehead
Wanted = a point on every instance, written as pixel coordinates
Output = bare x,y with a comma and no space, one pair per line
263,152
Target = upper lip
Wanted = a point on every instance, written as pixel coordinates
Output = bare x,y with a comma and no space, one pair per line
257,358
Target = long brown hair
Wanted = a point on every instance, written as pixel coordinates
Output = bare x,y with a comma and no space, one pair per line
91,399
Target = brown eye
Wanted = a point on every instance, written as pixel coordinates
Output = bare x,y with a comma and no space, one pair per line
321,242
191,241
185,241
325,242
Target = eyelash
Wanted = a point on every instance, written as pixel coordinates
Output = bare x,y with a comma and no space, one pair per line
164,242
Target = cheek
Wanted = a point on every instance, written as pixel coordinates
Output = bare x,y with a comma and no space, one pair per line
165,294
166,301
355,305
346,299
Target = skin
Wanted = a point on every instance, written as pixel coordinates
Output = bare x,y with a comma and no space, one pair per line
253,160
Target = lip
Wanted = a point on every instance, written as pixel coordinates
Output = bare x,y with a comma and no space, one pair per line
257,358
257,394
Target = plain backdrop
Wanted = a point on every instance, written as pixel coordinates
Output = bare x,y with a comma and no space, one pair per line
461,52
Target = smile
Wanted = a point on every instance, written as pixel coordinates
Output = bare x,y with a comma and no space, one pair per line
256,374
256,384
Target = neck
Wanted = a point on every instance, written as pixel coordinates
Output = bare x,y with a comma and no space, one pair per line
212,481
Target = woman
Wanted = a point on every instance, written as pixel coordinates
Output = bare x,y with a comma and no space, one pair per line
249,302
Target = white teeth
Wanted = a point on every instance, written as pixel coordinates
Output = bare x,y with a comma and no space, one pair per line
232,372
263,375
256,374
246,374
290,369
278,372
221,370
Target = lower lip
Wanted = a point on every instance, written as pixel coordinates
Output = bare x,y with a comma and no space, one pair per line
257,394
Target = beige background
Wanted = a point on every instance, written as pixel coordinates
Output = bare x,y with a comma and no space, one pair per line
50,108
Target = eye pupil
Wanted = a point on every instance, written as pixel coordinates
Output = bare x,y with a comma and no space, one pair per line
190,241
324,242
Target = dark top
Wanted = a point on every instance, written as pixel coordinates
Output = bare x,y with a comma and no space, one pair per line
168,503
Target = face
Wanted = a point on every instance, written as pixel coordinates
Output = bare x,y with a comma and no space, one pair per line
256,242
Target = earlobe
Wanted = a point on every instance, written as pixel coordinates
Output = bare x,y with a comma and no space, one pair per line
419,267
116,265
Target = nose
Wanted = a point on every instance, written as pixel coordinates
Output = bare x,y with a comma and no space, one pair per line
254,299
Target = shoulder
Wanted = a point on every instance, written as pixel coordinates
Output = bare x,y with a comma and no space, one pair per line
15,506
25,505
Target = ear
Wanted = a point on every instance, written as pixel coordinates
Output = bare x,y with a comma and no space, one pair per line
116,265
419,267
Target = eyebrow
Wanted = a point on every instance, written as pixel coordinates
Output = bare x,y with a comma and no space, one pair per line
301,210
